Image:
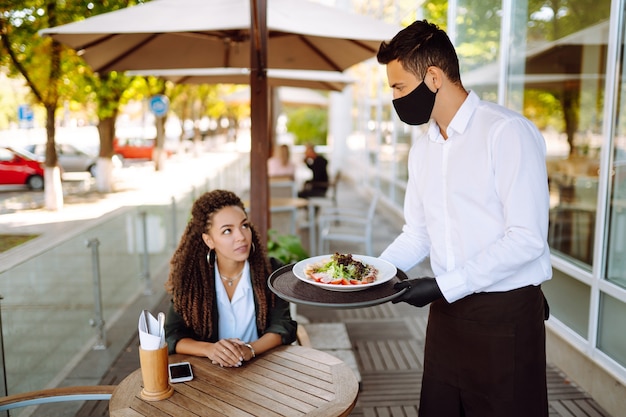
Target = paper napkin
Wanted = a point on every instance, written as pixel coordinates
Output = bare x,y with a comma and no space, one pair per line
151,334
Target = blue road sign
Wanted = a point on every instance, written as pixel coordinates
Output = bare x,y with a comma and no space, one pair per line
159,105
25,115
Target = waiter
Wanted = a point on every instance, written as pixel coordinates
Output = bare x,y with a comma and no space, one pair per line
477,203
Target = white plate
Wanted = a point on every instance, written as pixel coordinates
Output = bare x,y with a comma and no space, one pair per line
386,271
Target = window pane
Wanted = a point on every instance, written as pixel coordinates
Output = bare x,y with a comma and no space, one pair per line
478,45
616,247
612,329
557,81
563,94
569,301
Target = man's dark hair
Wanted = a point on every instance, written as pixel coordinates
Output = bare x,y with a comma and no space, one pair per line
420,46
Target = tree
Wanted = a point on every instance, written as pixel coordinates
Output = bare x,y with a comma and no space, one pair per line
190,103
308,124
53,72
39,62
108,91
550,20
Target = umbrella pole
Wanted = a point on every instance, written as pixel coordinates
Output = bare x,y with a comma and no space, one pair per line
260,138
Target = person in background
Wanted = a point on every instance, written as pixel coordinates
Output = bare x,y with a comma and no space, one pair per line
477,203
222,307
316,186
280,165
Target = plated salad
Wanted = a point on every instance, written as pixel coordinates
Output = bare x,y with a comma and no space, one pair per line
341,269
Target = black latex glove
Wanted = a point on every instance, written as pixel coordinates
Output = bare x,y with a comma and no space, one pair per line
419,291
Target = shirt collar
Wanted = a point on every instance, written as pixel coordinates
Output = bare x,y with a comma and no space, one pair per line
460,121
246,277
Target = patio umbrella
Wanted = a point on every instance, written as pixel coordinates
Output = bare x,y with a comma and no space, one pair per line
172,34
317,80
289,96
555,65
255,34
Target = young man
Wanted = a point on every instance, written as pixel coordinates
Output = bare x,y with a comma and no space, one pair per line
316,186
477,203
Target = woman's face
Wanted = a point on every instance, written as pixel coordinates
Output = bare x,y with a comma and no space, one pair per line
230,234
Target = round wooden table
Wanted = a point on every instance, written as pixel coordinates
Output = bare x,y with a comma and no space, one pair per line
286,381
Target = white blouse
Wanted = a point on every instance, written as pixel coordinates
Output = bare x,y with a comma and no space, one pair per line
237,317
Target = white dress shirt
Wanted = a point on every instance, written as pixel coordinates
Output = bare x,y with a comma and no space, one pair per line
237,317
477,203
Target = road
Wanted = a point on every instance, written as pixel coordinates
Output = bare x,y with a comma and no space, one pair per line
15,198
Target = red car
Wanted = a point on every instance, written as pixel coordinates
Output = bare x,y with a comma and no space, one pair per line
133,148
18,167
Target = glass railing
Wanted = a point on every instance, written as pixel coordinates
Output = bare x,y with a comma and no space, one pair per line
54,303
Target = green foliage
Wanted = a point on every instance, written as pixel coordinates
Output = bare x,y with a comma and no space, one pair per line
571,16
52,71
436,12
286,248
109,90
544,109
10,241
308,124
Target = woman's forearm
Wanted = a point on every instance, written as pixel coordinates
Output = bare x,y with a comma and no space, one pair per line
266,342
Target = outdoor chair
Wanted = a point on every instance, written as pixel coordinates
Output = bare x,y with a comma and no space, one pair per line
53,395
338,224
283,188
330,199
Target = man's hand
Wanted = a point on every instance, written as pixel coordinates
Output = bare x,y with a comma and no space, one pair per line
419,291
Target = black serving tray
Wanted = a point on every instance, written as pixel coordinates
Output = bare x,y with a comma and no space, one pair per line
287,286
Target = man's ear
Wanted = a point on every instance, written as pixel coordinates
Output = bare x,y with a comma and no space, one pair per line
434,78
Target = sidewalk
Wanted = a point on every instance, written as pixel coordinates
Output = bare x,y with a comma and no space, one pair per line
385,341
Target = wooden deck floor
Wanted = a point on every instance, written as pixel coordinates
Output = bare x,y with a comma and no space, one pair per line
388,344
387,341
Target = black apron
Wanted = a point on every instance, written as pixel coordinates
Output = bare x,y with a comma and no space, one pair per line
485,356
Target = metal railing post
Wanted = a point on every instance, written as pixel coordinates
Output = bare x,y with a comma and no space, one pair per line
98,320
3,383
146,257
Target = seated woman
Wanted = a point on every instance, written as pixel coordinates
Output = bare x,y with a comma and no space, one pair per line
222,307
280,165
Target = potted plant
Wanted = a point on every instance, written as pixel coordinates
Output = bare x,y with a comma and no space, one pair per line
286,248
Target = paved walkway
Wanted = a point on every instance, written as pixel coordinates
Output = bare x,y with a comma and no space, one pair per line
386,341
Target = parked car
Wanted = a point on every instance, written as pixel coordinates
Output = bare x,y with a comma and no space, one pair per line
135,148
20,167
71,159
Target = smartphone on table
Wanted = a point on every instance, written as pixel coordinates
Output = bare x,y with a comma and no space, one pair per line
180,372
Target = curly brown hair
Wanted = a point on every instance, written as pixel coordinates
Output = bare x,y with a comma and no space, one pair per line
192,273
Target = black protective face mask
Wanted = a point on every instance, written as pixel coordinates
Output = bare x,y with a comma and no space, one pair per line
416,107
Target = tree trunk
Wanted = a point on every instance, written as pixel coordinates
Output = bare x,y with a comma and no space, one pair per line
159,154
105,166
569,102
53,189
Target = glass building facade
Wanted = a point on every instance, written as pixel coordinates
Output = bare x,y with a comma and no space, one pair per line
562,64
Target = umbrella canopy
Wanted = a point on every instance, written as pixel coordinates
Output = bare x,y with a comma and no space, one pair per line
255,34
290,96
556,65
317,80
168,34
